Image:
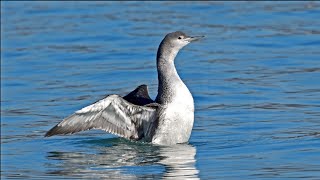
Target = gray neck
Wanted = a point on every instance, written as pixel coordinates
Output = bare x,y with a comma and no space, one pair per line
167,73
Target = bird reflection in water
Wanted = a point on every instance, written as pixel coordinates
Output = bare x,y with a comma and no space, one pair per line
118,158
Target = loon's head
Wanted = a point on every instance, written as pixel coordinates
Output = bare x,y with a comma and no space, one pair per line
178,40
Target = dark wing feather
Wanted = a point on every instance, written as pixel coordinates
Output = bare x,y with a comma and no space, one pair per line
112,114
139,96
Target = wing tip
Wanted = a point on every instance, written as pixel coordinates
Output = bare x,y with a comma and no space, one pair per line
56,130
51,132
47,135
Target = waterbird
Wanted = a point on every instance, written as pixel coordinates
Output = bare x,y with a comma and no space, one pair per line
167,120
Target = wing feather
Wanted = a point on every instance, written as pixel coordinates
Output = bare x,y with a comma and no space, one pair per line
112,114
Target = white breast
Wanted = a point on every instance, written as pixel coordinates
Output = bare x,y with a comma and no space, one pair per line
176,120
183,97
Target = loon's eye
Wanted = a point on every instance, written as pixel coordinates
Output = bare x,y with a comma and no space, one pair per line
180,37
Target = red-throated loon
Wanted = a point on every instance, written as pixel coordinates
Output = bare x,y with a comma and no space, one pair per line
167,120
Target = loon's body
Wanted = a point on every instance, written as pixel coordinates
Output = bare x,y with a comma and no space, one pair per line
167,120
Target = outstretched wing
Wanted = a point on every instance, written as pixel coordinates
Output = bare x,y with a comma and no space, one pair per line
112,114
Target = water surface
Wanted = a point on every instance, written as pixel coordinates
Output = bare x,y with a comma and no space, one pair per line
255,81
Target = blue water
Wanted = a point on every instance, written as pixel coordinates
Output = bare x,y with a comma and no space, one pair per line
255,79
